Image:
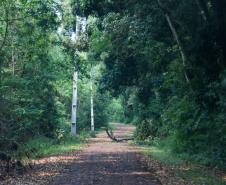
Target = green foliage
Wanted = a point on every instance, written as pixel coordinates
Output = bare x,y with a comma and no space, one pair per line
182,166
146,130
36,65
44,146
27,91
115,111
137,61
144,66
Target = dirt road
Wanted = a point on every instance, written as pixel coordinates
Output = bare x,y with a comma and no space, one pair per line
104,162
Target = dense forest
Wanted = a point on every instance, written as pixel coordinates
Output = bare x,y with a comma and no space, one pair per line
37,61
166,59
158,64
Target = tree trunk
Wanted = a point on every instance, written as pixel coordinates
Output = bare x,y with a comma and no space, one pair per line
74,104
176,37
80,24
91,98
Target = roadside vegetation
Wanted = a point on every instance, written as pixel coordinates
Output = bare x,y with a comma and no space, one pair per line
160,65
166,62
181,165
45,147
37,58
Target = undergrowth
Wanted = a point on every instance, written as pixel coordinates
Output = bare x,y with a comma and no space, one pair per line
43,146
185,165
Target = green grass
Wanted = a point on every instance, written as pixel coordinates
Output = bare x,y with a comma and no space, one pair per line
43,146
182,165
162,155
200,176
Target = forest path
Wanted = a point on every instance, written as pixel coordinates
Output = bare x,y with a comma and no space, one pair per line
104,162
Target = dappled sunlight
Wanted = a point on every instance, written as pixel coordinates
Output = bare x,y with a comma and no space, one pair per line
108,162
46,174
96,161
110,92
56,159
185,168
139,173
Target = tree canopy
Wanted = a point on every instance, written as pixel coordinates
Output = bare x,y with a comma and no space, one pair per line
167,61
159,64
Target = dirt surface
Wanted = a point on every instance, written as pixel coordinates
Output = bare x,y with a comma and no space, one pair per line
101,162
105,162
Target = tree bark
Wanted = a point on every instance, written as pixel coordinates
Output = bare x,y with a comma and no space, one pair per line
176,37
74,104
81,21
91,99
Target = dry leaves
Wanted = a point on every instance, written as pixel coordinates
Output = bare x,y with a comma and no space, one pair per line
44,170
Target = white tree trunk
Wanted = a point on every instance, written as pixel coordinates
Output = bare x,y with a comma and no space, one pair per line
80,28
91,100
74,104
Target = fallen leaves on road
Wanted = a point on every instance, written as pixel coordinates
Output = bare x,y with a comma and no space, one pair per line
45,169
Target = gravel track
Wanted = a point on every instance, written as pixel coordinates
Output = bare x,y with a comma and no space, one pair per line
104,162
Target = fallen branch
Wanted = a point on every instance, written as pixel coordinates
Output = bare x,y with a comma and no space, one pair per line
112,137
